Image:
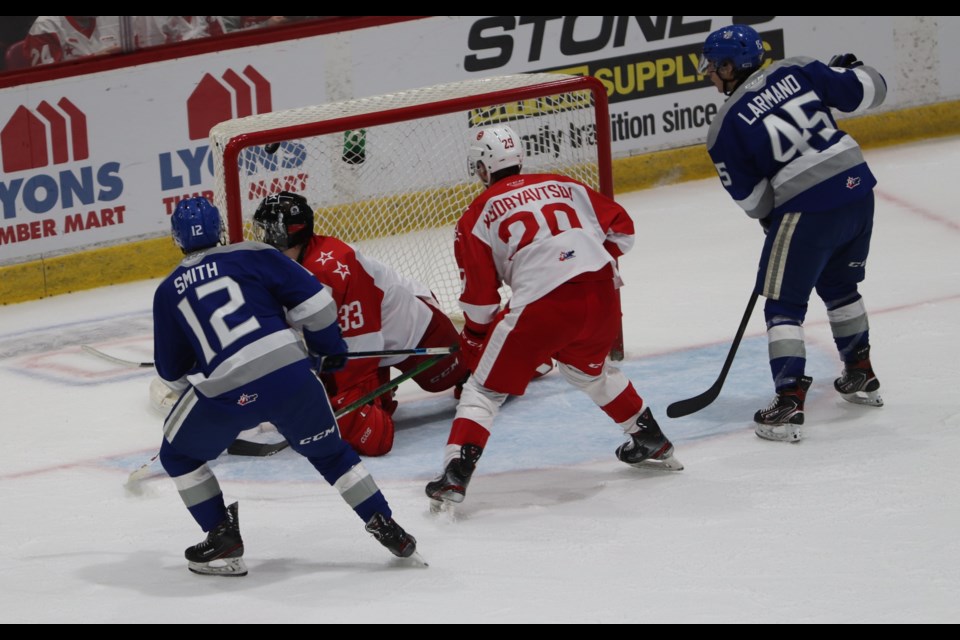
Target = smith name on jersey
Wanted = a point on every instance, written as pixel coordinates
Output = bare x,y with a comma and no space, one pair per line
222,303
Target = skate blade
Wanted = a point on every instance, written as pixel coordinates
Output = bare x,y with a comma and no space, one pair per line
445,507
866,398
663,464
417,558
228,567
445,500
779,433
446,510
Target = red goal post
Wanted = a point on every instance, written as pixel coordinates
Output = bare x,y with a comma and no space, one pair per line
388,173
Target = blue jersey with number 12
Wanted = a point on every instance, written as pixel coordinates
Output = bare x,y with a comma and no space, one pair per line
231,314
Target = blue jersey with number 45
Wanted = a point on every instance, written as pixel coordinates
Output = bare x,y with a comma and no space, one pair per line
776,145
229,315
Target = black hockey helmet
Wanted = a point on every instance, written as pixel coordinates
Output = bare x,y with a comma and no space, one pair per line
283,220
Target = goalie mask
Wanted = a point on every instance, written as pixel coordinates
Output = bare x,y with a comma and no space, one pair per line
195,225
494,149
283,220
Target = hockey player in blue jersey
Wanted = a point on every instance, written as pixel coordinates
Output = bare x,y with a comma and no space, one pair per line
781,156
227,330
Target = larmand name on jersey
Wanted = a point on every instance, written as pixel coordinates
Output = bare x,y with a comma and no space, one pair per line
507,203
195,274
770,97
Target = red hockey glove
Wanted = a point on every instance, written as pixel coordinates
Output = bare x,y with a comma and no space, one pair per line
471,344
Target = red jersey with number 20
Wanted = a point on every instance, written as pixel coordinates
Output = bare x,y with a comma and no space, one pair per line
533,233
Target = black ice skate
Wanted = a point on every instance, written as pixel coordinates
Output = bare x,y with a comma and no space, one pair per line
782,420
451,485
647,447
857,383
391,535
221,554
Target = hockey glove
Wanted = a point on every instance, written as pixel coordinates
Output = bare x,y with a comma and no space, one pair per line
472,346
765,223
845,61
329,363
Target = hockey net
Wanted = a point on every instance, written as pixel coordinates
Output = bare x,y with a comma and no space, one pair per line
389,174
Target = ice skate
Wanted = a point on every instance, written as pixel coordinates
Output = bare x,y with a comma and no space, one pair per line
647,447
782,420
392,536
450,487
221,554
858,384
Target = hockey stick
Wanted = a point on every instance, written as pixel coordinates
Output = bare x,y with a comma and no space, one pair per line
259,449
417,351
239,447
120,361
682,408
353,406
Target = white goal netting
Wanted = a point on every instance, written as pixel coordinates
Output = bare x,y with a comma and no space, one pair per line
389,175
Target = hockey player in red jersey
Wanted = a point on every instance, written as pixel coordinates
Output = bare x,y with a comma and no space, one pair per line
379,309
60,38
554,241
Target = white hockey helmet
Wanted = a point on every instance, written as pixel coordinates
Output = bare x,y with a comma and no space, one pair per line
493,149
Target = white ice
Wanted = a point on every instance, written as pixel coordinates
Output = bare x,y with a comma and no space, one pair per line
859,523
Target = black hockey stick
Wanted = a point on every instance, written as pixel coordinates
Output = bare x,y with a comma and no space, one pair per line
239,447
256,449
260,449
270,449
682,408
120,361
417,351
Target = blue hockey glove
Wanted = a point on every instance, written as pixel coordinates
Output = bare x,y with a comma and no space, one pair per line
844,60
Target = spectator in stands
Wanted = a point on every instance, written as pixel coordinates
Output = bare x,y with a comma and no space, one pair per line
60,38
13,29
235,23
151,31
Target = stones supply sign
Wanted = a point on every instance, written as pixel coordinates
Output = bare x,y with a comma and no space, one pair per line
647,64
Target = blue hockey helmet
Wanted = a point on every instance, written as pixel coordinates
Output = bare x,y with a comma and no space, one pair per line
739,44
196,225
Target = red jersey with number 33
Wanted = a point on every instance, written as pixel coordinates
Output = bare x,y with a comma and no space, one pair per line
378,308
